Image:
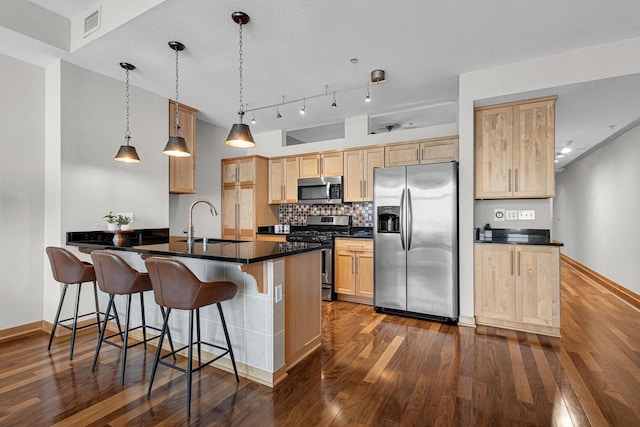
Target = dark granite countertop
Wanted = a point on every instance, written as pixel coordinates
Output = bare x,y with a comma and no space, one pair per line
518,236
356,233
156,242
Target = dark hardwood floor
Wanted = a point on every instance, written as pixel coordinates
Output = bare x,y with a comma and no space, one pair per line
372,370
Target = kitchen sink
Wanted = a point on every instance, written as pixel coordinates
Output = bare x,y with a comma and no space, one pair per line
211,241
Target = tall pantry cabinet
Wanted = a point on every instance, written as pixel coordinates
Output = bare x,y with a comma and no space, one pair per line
245,204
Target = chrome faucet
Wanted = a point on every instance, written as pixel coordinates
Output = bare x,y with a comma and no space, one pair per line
213,210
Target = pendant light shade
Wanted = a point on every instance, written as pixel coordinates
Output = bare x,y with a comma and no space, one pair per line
127,153
240,134
176,146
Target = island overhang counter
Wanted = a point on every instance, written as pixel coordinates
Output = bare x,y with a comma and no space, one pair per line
274,320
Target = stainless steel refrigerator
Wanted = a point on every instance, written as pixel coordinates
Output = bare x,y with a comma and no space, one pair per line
416,240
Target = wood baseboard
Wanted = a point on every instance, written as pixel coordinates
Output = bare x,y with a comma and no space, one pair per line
22,330
615,288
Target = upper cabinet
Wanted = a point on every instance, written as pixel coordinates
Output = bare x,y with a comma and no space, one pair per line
514,150
321,164
434,150
182,170
283,179
358,173
239,171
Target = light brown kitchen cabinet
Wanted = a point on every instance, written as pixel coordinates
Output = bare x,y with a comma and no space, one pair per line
182,170
283,179
433,150
518,287
321,164
271,238
354,268
358,173
514,150
245,197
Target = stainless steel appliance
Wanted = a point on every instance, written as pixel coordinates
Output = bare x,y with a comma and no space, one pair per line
322,229
416,240
325,190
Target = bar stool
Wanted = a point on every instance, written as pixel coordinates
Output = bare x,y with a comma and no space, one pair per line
69,270
176,287
116,277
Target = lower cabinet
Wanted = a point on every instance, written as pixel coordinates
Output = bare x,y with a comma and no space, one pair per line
518,287
271,238
353,269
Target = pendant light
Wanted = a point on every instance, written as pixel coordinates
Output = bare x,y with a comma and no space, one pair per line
127,153
176,146
240,134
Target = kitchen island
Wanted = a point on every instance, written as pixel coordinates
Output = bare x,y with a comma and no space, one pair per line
274,320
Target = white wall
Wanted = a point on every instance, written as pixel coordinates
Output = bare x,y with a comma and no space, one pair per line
592,63
21,192
85,129
210,150
597,209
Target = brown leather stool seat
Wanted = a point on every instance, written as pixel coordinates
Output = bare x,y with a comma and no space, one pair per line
176,287
69,270
116,277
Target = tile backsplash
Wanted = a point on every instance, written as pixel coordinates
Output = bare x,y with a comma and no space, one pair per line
294,214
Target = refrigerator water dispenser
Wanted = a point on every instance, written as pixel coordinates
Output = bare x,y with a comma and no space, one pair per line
388,219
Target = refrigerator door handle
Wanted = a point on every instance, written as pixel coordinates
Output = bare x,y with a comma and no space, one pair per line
402,219
409,220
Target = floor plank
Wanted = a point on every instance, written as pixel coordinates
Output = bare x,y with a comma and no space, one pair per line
372,370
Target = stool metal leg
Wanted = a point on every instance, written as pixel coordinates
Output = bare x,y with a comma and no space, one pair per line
75,321
190,364
102,332
198,336
165,328
55,322
173,351
95,299
144,323
226,336
125,346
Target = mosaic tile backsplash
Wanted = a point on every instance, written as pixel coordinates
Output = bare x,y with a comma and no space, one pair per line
293,214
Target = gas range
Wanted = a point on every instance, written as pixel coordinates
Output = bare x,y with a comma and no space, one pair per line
321,229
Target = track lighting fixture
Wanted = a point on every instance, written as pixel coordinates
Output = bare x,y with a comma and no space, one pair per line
253,118
176,146
240,134
377,77
127,153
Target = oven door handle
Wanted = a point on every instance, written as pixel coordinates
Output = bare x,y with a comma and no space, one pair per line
328,191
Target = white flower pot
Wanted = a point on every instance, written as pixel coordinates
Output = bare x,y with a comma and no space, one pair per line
113,227
125,227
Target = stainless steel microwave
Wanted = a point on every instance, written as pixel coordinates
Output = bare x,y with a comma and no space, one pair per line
320,191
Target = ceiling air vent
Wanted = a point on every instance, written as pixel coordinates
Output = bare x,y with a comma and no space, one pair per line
92,22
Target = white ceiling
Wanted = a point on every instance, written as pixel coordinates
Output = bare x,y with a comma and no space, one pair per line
295,48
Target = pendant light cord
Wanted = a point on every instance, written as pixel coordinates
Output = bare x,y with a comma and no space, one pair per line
127,134
177,123
241,111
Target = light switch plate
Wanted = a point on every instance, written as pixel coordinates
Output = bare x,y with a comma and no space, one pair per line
512,215
278,295
498,214
527,215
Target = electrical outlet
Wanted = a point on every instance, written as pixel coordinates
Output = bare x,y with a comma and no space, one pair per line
527,215
370,217
498,214
278,290
512,215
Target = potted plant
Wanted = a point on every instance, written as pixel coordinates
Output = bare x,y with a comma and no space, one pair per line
112,221
124,222
488,234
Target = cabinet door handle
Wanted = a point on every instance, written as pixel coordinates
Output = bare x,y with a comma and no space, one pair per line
516,180
320,166
353,262
364,187
357,267
361,187
511,255
518,263
509,180
418,155
282,192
